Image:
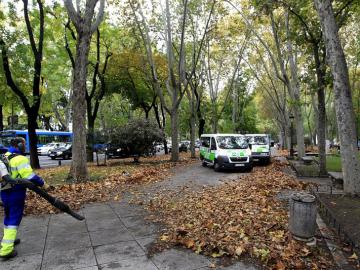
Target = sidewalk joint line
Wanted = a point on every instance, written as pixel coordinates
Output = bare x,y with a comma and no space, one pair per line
46,237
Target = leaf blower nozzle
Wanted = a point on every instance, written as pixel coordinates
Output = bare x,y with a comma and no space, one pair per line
42,193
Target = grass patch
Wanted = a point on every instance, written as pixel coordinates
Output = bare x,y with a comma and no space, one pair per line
333,163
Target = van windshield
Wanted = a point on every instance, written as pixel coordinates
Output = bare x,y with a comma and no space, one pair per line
231,142
259,140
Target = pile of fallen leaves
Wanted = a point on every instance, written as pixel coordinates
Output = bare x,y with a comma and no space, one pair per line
282,152
115,181
238,218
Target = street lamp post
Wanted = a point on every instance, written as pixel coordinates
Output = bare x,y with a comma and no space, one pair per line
291,117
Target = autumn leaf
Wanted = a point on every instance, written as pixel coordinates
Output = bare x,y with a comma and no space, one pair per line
239,250
189,243
280,266
353,257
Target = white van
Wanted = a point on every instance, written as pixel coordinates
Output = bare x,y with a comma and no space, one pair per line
260,147
225,151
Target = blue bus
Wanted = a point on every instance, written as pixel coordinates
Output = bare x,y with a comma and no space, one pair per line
43,136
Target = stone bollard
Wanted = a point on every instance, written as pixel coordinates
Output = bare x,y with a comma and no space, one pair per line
302,222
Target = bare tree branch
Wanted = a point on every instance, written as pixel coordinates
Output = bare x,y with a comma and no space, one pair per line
99,17
74,16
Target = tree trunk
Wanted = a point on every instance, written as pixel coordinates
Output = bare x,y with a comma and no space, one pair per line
1,118
192,134
161,126
283,139
343,100
299,131
294,91
90,140
200,118
214,121
34,159
174,136
316,119
235,108
321,110
321,131
79,171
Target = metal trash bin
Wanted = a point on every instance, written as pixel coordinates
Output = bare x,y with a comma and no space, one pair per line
302,222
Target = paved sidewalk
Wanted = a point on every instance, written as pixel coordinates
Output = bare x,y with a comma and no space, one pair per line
114,235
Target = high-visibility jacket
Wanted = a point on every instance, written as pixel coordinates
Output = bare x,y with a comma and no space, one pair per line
20,167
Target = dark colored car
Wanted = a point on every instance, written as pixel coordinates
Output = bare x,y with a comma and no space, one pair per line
115,151
64,152
183,147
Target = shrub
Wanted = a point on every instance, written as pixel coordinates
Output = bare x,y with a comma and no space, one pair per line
139,137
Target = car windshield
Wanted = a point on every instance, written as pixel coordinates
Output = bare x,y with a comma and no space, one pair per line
232,142
50,145
259,140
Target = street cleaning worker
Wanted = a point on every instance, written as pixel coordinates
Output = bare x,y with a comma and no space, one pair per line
13,197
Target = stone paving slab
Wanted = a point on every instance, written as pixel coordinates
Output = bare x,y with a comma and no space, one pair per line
124,209
174,259
104,224
137,263
31,243
118,252
23,262
105,237
61,223
68,241
68,259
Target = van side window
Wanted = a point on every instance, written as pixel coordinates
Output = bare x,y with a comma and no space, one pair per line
213,144
205,141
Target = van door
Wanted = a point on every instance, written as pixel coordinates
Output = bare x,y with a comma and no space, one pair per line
213,149
205,148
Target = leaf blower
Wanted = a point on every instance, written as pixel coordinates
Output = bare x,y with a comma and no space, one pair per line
42,193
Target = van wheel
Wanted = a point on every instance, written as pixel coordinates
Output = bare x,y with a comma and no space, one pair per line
217,167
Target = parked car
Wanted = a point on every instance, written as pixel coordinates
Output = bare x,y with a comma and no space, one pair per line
185,143
183,147
64,152
159,147
47,148
115,151
197,143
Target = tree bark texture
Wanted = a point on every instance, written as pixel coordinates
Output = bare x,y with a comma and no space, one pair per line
1,118
32,125
174,136
85,27
79,170
342,94
321,109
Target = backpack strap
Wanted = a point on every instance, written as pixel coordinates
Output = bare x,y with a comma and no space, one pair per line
6,160
11,156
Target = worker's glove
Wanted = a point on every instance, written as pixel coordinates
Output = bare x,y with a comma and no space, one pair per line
47,187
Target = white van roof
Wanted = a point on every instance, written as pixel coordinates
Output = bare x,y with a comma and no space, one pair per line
221,134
